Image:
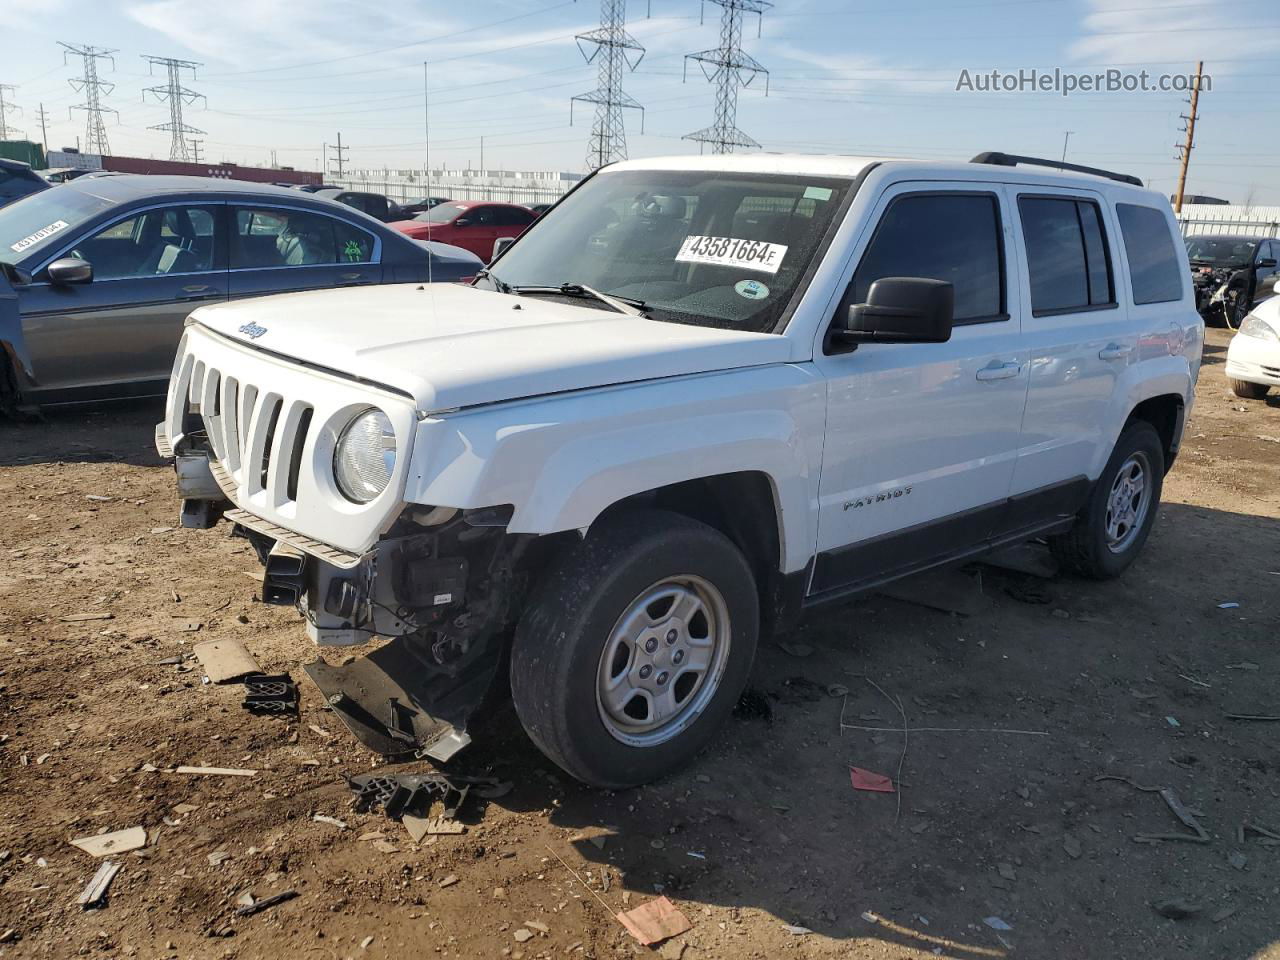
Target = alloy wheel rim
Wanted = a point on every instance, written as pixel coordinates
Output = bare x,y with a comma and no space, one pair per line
1128,502
663,661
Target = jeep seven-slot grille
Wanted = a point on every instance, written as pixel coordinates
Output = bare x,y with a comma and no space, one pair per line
258,436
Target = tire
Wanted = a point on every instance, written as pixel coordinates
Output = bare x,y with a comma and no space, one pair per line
1089,548
568,695
1247,390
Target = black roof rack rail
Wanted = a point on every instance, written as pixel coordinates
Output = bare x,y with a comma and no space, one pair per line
998,159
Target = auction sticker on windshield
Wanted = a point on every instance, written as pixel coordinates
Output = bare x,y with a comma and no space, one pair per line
730,252
39,235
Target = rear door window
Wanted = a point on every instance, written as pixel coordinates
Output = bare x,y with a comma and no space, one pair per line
1155,267
955,237
277,237
1067,258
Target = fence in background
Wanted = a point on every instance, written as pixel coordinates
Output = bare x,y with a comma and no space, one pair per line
1202,219
405,191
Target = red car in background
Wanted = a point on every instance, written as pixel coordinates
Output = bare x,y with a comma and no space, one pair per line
474,226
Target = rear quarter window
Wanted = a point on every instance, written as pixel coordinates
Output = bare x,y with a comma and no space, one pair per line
1155,267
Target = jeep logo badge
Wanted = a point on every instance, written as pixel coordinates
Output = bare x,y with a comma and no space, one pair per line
252,330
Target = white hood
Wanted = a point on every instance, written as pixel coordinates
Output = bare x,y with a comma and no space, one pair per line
450,346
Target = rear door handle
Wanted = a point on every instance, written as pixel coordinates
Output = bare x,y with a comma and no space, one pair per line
198,291
352,279
1114,351
999,370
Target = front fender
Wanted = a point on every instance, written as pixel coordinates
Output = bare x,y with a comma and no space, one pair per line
562,461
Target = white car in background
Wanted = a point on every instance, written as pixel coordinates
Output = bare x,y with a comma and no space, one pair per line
1253,358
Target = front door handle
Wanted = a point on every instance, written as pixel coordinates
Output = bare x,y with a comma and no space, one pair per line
1114,351
999,370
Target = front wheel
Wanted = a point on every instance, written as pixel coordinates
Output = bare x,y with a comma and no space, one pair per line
635,648
1111,530
1249,391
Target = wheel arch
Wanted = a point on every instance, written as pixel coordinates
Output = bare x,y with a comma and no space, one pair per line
1166,413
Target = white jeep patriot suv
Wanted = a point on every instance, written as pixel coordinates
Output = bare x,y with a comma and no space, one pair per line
698,397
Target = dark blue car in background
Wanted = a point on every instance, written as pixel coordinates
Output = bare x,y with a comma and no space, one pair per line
97,275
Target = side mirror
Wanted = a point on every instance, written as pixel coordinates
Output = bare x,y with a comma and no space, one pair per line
462,222
1267,264
500,245
902,310
70,270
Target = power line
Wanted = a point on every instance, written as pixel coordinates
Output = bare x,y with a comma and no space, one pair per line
177,96
730,68
5,106
95,131
614,49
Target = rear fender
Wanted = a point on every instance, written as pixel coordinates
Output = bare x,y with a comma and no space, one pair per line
1157,377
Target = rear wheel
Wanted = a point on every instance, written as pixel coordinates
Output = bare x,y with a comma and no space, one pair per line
1111,530
635,648
1249,391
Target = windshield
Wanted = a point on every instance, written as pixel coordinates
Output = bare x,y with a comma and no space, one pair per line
1221,251
441,213
36,223
701,247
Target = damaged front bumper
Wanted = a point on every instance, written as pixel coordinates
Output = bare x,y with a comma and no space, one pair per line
435,591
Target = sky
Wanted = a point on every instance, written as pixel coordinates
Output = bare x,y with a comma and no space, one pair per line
863,77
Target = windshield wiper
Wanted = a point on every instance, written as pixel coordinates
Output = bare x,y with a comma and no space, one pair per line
627,305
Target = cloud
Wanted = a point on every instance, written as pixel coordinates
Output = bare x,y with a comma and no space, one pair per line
1113,32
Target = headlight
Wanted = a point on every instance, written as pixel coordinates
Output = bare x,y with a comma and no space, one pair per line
1255,326
365,456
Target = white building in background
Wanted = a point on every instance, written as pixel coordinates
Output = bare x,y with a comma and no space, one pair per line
506,186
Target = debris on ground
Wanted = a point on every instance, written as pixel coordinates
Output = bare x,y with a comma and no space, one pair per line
1181,812
225,660
413,794
1250,716
218,857
753,705
332,821
796,930
85,617
95,892
867,780
266,903
794,648
1072,846
655,921
216,771
419,827
1222,914
122,841
1231,605
270,694
449,881
1177,908
522,935
1238,860
995,923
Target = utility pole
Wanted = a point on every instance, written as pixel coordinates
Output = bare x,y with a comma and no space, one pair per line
340,150
5,106
195,150
1065,137
1191,136
729,68
482,154
614,49
95,134
44,133
177,95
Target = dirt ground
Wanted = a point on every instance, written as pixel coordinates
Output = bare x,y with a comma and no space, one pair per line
1132,678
